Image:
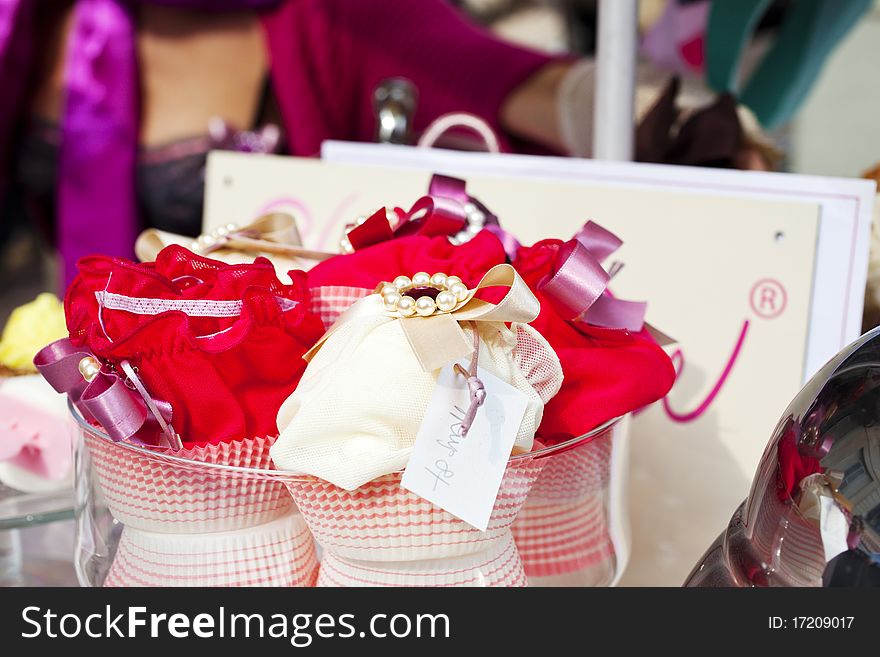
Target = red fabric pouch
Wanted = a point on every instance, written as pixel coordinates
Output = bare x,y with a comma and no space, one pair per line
608,372
223,344
368,267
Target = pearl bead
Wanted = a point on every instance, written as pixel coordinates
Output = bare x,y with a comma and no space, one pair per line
425,306
406,306
446,301
452,280
231,227
438,280
402,282
422,279
391,300
221,232
388,288
459,290
89,368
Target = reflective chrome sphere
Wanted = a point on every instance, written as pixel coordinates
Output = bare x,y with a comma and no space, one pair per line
823,458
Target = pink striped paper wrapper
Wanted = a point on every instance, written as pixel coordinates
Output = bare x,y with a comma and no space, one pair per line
146,491
367,532
187,524
499,566
382,521
277,553
562,530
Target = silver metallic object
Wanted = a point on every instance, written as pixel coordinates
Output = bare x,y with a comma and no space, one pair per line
826,445
394,103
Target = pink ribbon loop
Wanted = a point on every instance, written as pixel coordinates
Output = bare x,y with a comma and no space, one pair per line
374,230
58,363
107,400
578,287
445,211
448,187
476,389
577,283
609,312
433,216
598,240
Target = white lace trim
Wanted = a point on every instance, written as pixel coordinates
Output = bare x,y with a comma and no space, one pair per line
190,307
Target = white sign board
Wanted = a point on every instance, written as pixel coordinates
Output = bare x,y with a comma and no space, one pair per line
758,284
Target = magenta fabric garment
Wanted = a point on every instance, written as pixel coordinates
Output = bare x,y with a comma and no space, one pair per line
96,192
327,57
97,209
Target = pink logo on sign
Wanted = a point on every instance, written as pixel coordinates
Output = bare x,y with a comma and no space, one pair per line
702,407
768,298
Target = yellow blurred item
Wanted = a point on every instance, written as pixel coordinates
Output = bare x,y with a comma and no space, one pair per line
30,328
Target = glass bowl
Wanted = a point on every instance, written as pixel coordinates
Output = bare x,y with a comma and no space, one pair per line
221,516
36,538
213,516
573,528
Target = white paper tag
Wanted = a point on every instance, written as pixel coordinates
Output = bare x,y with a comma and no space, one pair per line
462,475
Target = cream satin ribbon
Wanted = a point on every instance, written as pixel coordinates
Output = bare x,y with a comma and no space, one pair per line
273,234
438,339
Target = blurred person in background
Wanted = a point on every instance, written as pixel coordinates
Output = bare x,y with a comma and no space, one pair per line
111,106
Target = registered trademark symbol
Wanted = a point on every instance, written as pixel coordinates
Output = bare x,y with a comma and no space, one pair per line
768,298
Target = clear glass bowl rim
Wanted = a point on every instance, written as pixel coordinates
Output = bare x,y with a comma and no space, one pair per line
185,463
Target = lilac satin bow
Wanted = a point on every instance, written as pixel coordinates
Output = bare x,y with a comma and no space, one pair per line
478,215
125,414
447,210
578,288
97,211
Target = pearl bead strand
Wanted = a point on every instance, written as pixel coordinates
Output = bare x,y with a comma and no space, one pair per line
451,293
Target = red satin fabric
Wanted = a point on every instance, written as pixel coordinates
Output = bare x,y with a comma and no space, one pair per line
225,378
409,255
608,372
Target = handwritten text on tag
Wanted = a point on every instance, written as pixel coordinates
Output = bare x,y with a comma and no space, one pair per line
462,474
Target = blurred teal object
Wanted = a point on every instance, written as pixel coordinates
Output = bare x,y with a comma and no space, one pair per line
810,31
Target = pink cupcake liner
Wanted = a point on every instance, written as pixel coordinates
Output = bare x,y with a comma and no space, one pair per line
562,531
566,539
381,521
278,553
575,473
498,566
207,516
148,491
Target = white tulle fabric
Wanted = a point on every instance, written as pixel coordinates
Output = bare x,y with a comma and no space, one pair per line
356,412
